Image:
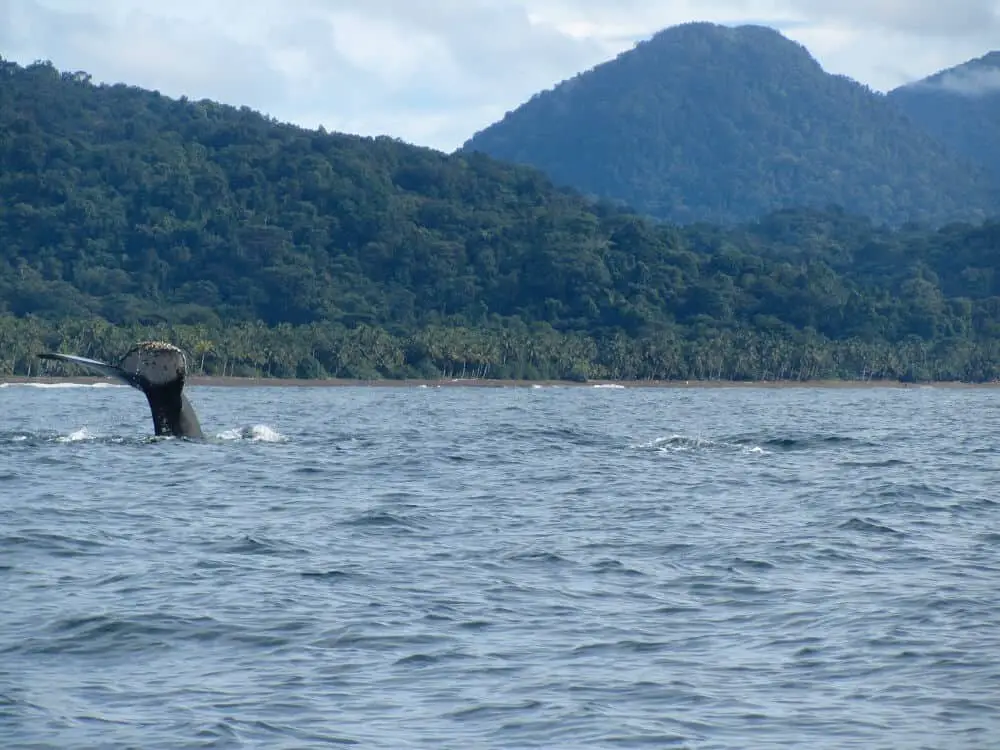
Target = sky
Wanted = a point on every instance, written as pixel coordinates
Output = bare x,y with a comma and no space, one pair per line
433,72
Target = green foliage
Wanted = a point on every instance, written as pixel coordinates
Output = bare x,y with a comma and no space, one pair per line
365,352
710,123
269,250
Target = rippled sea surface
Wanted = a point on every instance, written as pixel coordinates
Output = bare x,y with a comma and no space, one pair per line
502,568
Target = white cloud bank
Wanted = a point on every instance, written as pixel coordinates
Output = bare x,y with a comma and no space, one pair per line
434,71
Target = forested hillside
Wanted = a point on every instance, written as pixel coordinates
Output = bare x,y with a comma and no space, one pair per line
961,108
711,123
273,250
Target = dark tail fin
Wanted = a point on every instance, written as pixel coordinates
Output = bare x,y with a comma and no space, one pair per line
159,370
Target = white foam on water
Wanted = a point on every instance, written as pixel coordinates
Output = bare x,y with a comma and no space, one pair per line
75,437
616,386
62,385
682,443
258,433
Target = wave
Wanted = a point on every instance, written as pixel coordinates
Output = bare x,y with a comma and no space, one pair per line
792,443
63,385
758,443
78,436
869,526
683,443
258,433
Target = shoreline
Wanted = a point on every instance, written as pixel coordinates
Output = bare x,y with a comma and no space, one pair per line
218,381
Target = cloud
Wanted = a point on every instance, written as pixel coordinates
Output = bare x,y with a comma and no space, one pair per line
969,82
924,18
435,71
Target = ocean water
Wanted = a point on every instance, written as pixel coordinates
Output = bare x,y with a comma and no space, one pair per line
502,568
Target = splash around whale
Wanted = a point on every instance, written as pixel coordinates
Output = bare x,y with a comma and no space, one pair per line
159,370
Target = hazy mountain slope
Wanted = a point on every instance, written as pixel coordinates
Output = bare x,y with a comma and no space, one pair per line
706,122
960,107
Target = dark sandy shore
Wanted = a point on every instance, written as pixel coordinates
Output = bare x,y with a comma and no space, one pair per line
235,382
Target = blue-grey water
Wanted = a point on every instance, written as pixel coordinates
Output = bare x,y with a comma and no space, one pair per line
501,568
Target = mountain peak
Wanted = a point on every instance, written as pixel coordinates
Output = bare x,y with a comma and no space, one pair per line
697,39
704,122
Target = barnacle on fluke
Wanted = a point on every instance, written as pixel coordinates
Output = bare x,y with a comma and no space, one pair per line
157,362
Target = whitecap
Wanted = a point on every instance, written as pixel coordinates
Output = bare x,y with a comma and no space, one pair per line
62,385
681,443
258,433
75,437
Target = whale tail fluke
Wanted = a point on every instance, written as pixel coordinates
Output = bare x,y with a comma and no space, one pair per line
159,370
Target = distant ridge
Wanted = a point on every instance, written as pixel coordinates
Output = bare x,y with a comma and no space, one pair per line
704,122
960,107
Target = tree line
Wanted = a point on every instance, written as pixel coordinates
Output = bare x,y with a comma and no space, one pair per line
536,353
271,250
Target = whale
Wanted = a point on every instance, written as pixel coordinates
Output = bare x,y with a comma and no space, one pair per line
159,370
